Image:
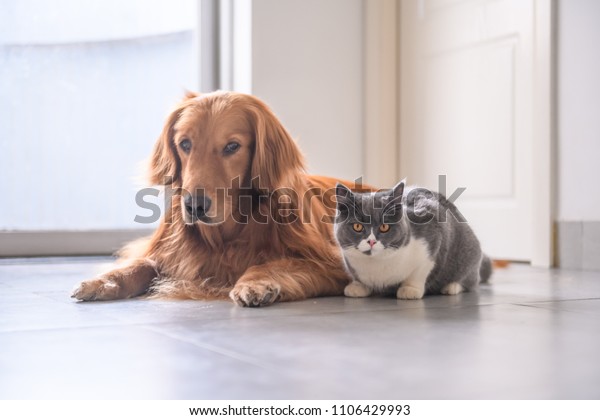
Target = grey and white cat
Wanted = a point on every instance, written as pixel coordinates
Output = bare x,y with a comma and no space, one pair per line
409,241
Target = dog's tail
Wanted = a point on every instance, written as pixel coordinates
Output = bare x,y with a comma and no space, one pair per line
485,269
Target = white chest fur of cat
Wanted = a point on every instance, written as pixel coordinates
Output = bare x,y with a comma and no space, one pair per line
409,265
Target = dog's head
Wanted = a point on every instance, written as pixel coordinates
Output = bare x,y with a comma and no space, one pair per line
213,146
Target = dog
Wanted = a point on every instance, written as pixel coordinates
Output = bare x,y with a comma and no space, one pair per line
245,221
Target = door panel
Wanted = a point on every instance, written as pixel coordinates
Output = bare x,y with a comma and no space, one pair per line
466,95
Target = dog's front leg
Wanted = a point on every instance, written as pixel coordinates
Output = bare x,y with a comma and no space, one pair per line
287,280
128,281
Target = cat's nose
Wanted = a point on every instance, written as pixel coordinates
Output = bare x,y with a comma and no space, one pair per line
372,242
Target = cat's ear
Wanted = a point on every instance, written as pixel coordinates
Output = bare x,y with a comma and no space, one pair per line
392,212
343,197
342,192
398,189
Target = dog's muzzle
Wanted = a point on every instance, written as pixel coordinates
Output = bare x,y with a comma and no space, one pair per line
197,206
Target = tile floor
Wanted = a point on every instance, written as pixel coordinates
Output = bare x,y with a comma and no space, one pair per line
532,334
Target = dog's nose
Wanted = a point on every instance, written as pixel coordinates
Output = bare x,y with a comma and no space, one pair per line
197,205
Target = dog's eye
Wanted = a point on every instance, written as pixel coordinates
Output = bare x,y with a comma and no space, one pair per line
231,148
185,145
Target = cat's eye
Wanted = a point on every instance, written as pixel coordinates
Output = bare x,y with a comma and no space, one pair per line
384,228
358,227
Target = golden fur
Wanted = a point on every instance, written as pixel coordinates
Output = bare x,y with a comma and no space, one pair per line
288,255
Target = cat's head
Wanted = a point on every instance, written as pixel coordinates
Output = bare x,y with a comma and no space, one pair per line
370,223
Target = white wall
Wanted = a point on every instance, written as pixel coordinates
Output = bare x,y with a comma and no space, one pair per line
578,110
307,65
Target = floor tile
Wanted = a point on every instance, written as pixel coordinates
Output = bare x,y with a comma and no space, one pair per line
491,351
532,333
122,363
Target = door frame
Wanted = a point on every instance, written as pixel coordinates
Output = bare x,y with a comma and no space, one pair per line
382,129
544,133
381,87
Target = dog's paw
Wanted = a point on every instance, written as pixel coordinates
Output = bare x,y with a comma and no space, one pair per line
356,289
409,293
255,293
96,289
453,288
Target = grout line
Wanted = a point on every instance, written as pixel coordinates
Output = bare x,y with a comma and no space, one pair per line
548,309
559,300
214,349
534,305
113,321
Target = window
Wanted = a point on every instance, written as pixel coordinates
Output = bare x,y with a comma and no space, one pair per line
84,91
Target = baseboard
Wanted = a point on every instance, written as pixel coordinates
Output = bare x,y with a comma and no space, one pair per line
54,243
578,245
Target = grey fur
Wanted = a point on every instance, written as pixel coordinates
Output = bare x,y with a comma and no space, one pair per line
414,213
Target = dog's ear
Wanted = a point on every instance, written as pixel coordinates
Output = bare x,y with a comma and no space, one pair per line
165,165
277,158
189,94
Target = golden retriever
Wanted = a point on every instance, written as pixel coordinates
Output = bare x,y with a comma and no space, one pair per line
245,220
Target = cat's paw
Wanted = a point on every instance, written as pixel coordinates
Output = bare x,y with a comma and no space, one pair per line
409,293
255,293
453,288
356,289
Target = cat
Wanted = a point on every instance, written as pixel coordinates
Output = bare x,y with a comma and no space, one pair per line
409,241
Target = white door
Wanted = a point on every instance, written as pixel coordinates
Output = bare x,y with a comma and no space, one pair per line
466,80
